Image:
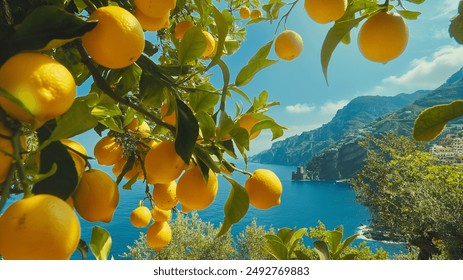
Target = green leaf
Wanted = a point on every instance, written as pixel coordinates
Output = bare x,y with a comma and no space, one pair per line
207,125
45,24
295,239
83,249
248,72
192,45
64,181
456,28
129,184
285,234
416,1
187,131
222,31
411,15
432,121
76,120
300,255
201,101
236,207
334,239
277,249
262,53
14,100
321,249
332,39
348,241
206,158
258,62
100,243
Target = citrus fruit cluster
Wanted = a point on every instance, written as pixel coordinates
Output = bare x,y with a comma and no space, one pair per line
246,13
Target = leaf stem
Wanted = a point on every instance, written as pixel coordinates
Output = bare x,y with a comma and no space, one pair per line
285,16
90,5
17,161
103,85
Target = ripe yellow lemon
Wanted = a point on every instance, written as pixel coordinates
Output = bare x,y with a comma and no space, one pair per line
44,86
171,118
158,235
247,122
40,227
152,23
163,164
181,28
164,195
264,189
96,197
140,217
245,13
160,215
383,37
118,39
210,45
7,146
155,8
288,45
256,14
108,151
324,11
193,192
79,161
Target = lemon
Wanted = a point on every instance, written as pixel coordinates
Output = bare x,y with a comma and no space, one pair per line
245,13
155,8
44,86
108,151
383,37
256,14
264,189
210,45
160,215
288,45
40,227
152,23
164,195
79,161
193,192
118,39
158,235
247,122
140,217
324,11
181,28
96,197
169,119
163,164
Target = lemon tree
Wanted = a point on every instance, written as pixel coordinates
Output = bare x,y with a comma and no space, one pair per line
142,70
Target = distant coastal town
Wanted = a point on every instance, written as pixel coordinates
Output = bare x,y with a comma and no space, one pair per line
449,151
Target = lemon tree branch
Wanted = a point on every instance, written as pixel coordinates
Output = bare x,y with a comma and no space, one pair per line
103,85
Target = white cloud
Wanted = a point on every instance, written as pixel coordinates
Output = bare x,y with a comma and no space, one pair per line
299,108
424,73
330,108
429,73
447,9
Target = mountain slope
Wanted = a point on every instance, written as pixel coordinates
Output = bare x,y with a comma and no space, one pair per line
345,157
356,114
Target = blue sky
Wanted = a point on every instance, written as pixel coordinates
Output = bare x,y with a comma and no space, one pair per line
307,101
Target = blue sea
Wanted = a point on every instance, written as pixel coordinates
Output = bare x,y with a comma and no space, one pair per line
303,204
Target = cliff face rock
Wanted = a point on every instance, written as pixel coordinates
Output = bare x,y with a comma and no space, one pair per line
345,157
358,113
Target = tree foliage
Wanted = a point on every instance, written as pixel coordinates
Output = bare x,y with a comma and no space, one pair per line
412,196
